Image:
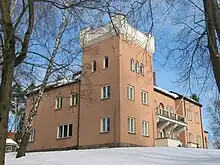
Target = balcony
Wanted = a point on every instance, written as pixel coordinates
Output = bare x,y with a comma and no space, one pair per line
169,126
173,116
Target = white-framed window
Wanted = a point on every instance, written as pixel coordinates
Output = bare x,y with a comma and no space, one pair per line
199,140
105,92
144,97
190,137
132,64
196,117
59,102
141,69
105,125
137,67
64,131
74,99
189,114
93,66
32,135
8,148
105,62
145,128
131,125
130,92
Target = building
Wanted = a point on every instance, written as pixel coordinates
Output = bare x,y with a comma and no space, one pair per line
11,145
114,100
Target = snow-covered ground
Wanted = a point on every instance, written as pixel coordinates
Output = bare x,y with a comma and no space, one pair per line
120,156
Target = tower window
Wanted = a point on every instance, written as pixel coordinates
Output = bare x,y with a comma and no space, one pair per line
142,69
93,66
132,64
105,63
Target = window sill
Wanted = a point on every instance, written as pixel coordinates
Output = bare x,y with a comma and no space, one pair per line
146,136
131,99
31,141
133,133
105,98
63,138
105,68
145,104
57,109
104,132
74,105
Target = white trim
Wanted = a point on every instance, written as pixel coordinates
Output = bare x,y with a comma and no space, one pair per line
131,124
144,97
168,119
145,128
130,92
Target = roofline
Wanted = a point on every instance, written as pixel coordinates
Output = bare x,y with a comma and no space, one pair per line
161,92
54,85
186,98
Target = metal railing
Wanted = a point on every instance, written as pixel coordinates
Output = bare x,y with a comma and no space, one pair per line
170,115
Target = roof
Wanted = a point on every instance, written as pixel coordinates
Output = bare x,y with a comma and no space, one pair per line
11,142
73,79
175,95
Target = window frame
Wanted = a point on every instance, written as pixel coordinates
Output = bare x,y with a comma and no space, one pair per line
106,124
32,135
132,65
191,136
130,125
74,99
104,90
59,103
189,113
105,61
145,128
196,117
137,67
62,133
94,66
141,66
143,92
131,94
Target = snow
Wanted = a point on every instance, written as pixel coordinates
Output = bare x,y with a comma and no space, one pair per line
10,141
121,156
167,92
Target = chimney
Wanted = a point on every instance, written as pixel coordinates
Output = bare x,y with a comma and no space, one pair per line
154,79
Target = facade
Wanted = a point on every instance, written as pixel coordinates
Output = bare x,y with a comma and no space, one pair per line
114,101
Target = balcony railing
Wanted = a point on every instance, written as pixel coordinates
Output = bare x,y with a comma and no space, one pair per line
170,115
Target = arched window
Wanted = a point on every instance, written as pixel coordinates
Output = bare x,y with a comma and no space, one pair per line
132,64
105,63
137,67
93,66
161,106
142,69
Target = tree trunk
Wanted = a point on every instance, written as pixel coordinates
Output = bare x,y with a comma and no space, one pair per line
23,145
212,26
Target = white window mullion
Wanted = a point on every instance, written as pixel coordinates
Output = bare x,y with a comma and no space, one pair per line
71,100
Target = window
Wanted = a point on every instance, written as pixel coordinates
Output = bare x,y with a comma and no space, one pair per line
131,125
137,67
105,125
144,97
74,99
189,114
8,148
64,131
130,92
145,128
105,63
105,92
199,140
196,117
190,138
142,69
94,66
32,135
59,102
171,110
132,65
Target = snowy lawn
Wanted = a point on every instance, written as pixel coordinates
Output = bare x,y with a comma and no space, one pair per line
120,156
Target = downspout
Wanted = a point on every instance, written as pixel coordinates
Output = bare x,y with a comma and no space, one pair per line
78,118
184,105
